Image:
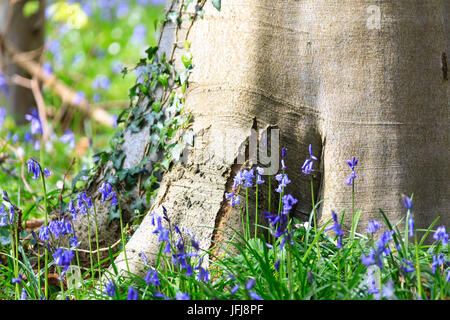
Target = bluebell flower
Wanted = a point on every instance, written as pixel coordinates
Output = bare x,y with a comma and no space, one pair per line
438,260
182,296
307,166
254,296
250,284
68,138
47,172
139,34
234,289
47,69
448,275
37,145
34,168
388,289
35,122
283,152
63,258
407,203
4,85
132,294
110,289
441,235
2,116
23,295
18,280
411,226
78,98
44,233
407,266
372,284
74,242
336,227
152,278
373,226
352,163
277,264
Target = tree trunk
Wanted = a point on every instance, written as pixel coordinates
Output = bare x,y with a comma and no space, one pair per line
26,34
349,78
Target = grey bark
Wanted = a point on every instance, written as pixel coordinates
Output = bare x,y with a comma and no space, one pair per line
26,34
320,74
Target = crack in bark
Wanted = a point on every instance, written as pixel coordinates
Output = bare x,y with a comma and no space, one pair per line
225,208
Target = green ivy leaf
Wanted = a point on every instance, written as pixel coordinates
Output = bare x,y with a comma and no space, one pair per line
114,213
30,8
216,4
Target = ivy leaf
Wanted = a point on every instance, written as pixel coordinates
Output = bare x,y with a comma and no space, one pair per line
30,8
164,79
5,237
82,174
176,151
189,137
151,52
118,159
172,16
114,213
216,4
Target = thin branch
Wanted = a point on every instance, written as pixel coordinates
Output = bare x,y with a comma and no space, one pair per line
57,86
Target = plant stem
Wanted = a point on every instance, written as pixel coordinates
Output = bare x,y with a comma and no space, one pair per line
46,224
314,214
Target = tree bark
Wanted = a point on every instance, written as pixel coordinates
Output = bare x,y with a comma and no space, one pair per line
26,34
327,74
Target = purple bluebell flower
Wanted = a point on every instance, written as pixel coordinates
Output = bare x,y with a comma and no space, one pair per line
47,172
18,280
254,296
407,202
34,168
143,257
44,233
407,266
411,226
182,296
63,258
78,98
283,152
4,85
336,227
110,289
438,260
307,166
352,163
448,276
372,284
277,264
74,242
284,181
250,284
388,290
101,82
68,138
152,278
373,226
2,116
441,235
35,122
132,294
234,289
47,69
37,145
23,295
139,34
